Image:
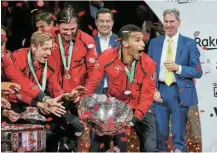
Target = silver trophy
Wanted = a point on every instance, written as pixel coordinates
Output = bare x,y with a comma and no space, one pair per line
105,116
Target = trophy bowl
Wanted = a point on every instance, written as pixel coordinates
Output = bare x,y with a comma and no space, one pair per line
105,116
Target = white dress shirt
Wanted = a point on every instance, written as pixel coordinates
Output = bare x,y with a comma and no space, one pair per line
104,44
164,56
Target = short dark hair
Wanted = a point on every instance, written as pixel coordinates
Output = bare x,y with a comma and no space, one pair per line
67,14
45,16
126,30
103,11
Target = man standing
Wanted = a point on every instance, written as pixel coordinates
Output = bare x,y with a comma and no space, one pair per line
178,64
105,39
131,75
75,56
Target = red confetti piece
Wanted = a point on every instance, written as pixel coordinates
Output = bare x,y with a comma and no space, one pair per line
123,139
5,4
19,4
196,33
12,87
198,68
4,124
127,131
102,145
204,48
32,140
47,126
168,141
94,32
40,3
181,90
114,11
145,37
49,119
202,111
194,81
36,64
96,108
81,13
206,72
90,27
31,110
54,17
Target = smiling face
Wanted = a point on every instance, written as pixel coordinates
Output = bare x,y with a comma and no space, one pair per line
104,23
171,24
135,44
42,52
68,30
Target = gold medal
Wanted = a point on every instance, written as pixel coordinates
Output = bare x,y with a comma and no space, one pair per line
67,76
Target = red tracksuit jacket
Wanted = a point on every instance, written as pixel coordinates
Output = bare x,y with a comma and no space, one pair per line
20,61
84,56
142,88
9,70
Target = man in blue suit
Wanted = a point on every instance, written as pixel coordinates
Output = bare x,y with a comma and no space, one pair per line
178,64
105,39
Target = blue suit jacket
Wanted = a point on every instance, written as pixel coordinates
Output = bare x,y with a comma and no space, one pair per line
113,42
188,57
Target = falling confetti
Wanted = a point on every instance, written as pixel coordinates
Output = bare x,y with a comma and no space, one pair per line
102,145
198,68
31,110
204,48
4,124
196,33
78,134
202,111
96,108
49,119
47,126
145,37
23,42
40,3
94,32
19,4
181,90
5,4
114,11
81,13
90,27
123,139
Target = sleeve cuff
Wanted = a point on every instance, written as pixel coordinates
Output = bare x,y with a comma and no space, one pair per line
180,70
40,96
33,103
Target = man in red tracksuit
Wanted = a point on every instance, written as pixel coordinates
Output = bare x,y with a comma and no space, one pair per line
75,56
131,76
33,63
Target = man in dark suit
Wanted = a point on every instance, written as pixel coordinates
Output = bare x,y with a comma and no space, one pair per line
105,39
178,64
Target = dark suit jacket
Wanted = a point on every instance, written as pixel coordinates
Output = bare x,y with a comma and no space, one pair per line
113,42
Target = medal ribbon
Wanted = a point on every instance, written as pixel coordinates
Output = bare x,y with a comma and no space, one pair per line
67,67
44,78
130,74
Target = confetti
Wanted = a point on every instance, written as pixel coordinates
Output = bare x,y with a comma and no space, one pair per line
92,60
123,139
114,11
145,37
49,119
40,3
90,27
4,124
32,140
196,33
116,149
181,90
66,146
19,4
94,32
198,68
36,64
5,4
81,13
47,126
194,81
128,131
23,42
202,111
204,48
102,145
206,72
31,110
96,108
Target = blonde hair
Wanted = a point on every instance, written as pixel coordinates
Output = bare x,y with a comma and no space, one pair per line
38,38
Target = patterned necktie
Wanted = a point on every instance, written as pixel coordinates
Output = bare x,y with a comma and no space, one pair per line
168,74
